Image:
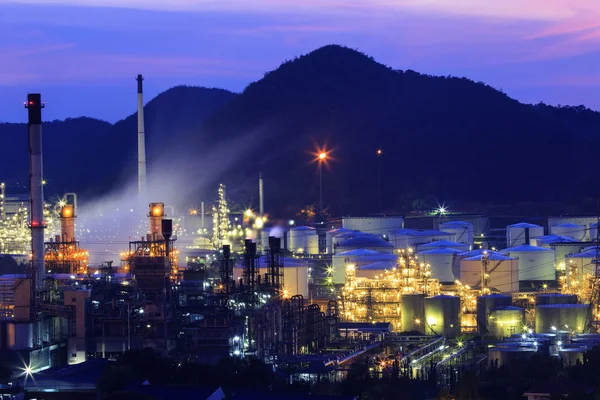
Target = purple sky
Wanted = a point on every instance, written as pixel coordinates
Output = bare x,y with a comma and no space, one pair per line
83,55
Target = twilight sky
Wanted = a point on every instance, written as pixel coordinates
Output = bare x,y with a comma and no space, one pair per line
83,55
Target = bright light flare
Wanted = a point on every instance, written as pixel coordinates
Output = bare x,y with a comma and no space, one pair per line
379,152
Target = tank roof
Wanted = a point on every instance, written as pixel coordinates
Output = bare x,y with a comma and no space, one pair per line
568,225
358,252
508,308
456,223
585,254
562,306
432,232
493,256
365,241
495,295
441,243
443,296
555,295
442,250
525,248
524,225
303,228
342,230
377,265
403,231
548,239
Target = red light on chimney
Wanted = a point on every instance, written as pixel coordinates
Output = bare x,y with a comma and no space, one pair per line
31,103
34,223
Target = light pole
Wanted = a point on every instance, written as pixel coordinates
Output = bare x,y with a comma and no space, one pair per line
322,158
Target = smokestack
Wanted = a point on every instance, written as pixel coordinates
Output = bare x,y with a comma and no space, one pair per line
141,140
261,196
156,214
202,216
36,189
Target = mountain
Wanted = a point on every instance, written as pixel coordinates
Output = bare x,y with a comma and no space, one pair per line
444,139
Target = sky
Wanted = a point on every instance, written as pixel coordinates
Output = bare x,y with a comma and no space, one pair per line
83,55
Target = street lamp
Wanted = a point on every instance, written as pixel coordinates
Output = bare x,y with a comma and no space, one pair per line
322,159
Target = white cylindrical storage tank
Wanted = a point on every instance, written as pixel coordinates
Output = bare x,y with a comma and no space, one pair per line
366,242
375,270
402,238
584,262
502,270
440,261
560,317
506,321
462,231
413,313
423,237
329,235
299,239
535,263
575,231
442,316
522,233
359,258
336,240
381,226
441,244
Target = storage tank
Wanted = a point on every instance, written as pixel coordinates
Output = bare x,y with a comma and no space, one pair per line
381,226
440,261
522,233
535,263
485,305
548,240
575,231
555,298
365,242
569,317
462,231
334,233
402,238
295,274
413,313
441,244
502,270
583,261
358,257
427,236
442,316
301,240
506,321
373,271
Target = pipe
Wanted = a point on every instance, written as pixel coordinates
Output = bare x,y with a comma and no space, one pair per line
36,189
141,140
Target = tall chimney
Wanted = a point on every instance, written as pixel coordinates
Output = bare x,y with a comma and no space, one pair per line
36,189
202,216
141,140
261,196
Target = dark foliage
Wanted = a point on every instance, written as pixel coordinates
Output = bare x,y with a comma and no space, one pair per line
443,138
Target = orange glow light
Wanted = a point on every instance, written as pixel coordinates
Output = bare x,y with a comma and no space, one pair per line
322,156
379,152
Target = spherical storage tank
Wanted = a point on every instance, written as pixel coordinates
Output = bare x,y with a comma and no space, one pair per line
413,312
576,231
485,305
442,315
334,233
518,234
440,261
462,231
503,272
506,321
535,263
562,317
304,240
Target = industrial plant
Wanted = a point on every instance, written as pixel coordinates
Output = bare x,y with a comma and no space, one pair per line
401,292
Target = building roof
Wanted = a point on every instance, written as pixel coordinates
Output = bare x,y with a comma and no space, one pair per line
525,248
82,376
